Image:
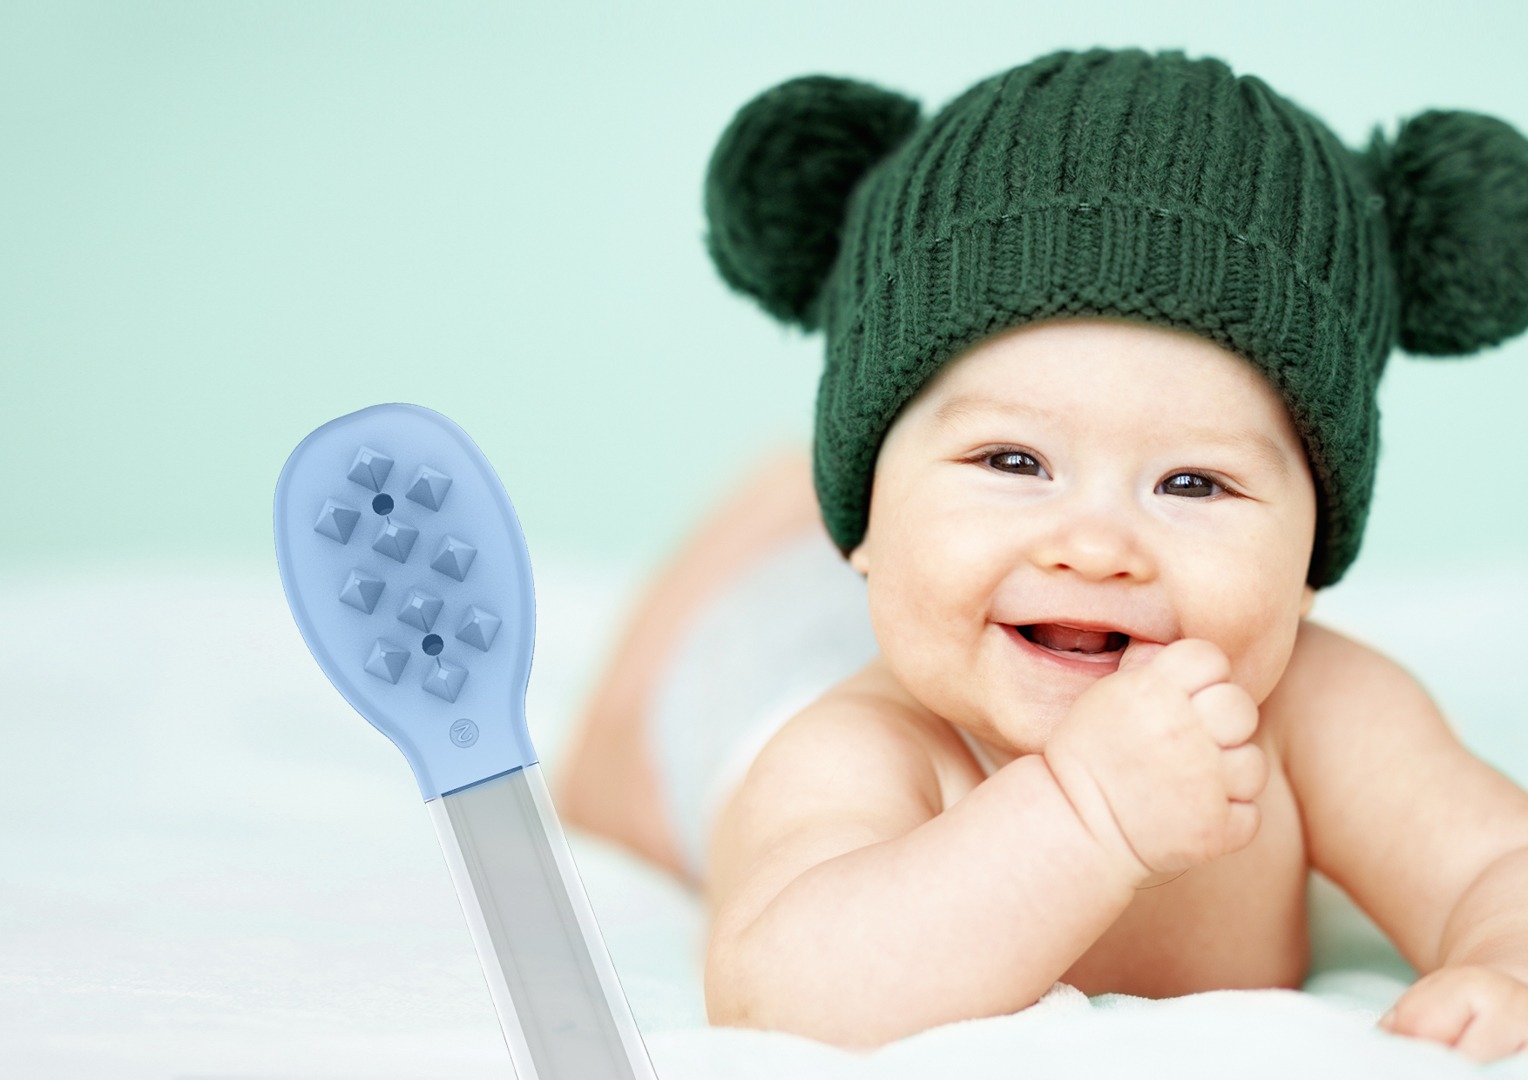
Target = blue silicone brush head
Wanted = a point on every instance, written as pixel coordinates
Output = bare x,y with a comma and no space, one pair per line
407,573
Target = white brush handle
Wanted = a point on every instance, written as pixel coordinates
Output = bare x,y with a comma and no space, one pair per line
560,1005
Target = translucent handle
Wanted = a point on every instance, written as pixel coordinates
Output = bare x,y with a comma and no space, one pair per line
554,988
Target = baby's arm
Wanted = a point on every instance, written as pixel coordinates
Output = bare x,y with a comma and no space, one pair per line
865,915
862,914
1428,839
1477,998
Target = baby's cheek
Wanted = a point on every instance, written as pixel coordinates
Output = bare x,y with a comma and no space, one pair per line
1259,646
894,616
921,635
912,633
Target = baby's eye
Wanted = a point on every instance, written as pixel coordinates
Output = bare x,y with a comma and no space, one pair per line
1190,485
1015,461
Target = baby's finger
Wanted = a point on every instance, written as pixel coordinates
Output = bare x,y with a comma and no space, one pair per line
1425,1013
1191,664
1242,822
1244,772
1227,712
1138,652
1489,1037
1479,1011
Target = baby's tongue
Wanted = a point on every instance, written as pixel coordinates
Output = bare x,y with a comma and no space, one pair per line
1069,639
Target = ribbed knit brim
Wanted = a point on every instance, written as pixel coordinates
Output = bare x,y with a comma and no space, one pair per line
1116,183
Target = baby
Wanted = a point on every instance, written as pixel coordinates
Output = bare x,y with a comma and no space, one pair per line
1098,418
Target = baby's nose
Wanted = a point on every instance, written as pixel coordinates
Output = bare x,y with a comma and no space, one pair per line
1096,546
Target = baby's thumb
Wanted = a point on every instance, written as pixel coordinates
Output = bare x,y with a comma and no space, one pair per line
1138,652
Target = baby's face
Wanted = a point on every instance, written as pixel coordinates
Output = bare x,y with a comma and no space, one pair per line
1098,474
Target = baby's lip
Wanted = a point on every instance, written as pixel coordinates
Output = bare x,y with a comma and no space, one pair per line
1133,630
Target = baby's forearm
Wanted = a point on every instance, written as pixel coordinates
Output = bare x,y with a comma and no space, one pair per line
1489,924
975,913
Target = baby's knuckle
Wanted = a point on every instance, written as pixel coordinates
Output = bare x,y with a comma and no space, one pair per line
1262,771
1202,836
1166,707
1237,702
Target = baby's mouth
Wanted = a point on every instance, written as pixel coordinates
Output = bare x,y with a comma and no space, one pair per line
1060,638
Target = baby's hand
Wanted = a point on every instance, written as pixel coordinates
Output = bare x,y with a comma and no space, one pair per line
1156,762
1479,1011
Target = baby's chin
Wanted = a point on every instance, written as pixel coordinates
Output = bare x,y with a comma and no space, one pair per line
1016,718
1029,734
1018,726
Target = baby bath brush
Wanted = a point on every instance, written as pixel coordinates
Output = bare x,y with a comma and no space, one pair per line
406,571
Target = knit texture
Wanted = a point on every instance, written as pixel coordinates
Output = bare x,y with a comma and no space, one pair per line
1119,183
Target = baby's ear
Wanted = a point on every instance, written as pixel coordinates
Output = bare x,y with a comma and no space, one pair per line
1307,601
860,560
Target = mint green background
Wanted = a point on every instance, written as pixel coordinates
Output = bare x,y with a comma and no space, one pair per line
224,224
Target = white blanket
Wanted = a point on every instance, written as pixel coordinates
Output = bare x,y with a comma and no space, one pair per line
213,867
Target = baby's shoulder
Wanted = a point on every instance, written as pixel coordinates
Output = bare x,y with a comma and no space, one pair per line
853,768
1332,682
1392,804
863,750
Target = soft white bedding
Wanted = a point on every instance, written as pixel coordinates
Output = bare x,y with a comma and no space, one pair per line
212,867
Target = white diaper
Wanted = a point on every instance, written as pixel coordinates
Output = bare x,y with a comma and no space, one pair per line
762,650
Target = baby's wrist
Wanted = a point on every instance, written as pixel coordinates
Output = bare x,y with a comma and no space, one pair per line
1513,967
1090,809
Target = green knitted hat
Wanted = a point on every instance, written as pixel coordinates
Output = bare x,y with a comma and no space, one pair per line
1153,187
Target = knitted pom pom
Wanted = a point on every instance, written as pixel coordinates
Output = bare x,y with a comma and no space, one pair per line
1456,184
779,182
